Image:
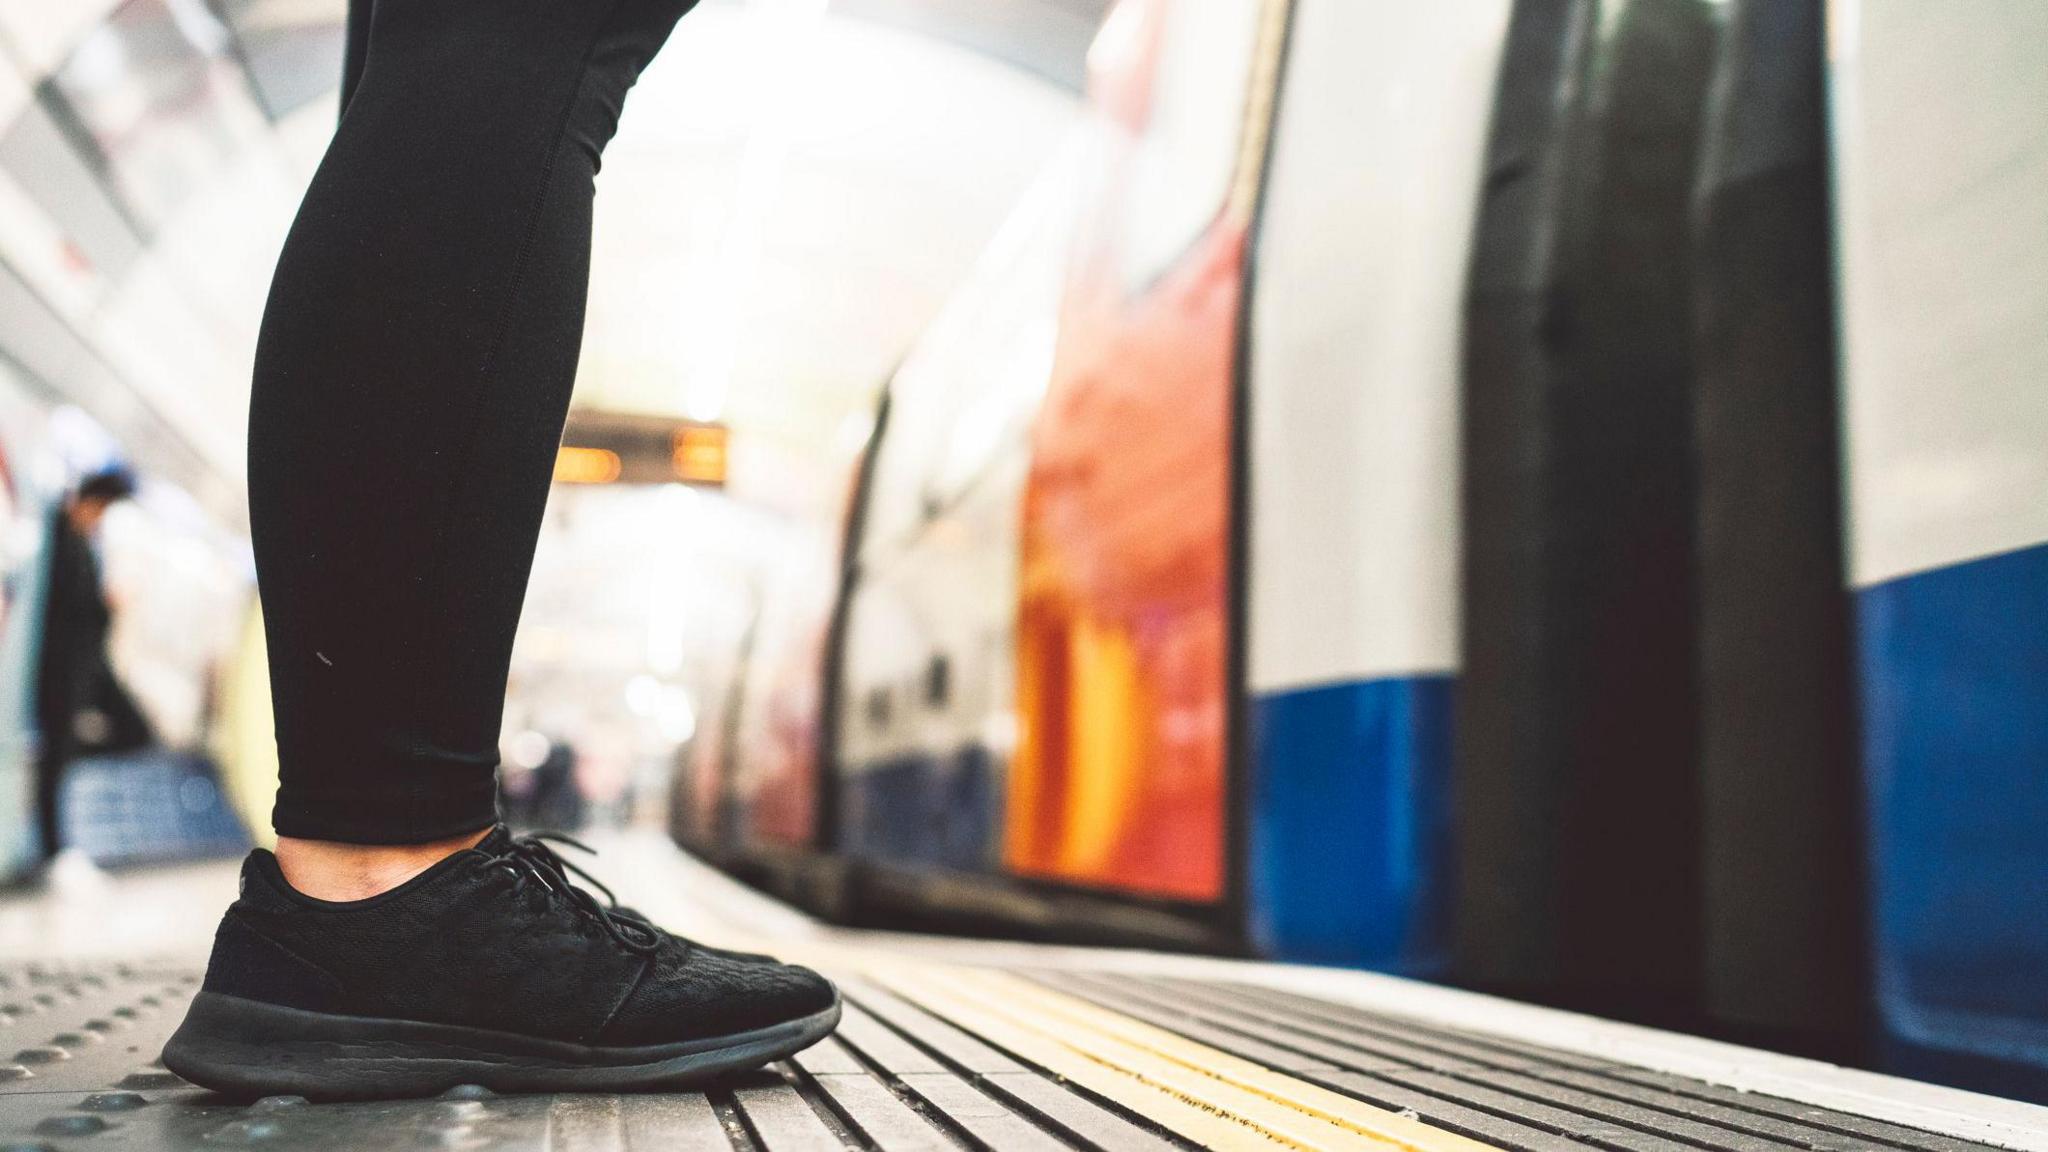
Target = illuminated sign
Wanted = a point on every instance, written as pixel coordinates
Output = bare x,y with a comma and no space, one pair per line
698,455
586,465
623,448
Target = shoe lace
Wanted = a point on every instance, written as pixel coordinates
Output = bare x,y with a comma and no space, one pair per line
531,860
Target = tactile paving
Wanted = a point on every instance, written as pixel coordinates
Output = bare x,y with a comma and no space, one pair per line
79,1069
1512,1095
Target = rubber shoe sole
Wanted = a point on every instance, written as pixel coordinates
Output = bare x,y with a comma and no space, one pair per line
248,1048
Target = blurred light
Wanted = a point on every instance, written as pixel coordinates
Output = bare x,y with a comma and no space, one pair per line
699,455
100,60
705,399
678,716
667,634
682,498
586,465
643,695
529,749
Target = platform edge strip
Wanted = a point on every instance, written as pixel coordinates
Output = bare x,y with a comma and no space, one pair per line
1172,1080
1281,1087
1192,1122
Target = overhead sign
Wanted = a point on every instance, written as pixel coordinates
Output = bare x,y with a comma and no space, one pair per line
624,448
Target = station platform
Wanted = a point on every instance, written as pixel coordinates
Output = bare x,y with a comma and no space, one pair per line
951,1043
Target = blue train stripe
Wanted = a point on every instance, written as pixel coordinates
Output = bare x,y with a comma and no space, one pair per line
1955,681
1350,824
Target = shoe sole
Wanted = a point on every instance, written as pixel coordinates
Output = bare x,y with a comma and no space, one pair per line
248,1048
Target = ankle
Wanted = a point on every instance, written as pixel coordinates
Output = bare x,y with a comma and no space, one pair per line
326,870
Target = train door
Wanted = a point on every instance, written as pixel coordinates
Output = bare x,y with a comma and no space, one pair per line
1576,778
1124,693
925,719
1940,130
1784,937
1362,248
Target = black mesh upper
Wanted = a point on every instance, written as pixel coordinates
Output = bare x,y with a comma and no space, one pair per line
716,991
469,943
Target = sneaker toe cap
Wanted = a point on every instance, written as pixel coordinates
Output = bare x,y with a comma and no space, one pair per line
703,995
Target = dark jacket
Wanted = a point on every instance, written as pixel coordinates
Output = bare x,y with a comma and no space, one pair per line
73,673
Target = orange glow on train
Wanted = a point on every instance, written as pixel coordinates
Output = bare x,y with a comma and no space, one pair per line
1119,778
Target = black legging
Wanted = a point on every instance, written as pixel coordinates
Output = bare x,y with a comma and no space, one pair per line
412,376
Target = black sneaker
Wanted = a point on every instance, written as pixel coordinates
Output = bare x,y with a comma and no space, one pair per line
489,968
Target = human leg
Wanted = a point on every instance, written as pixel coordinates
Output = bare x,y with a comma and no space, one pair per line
412,375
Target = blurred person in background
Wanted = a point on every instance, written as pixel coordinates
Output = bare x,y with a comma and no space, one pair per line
81,705
412,378
539,788
557,802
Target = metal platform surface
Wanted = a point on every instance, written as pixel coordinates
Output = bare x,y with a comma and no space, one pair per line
957,1045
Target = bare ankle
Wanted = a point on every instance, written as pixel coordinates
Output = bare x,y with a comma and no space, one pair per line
326,870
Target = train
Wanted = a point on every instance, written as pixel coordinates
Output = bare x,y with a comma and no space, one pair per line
1540,495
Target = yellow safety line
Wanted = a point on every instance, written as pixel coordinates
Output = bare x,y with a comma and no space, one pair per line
1203,1123
1205,1094
1337,1108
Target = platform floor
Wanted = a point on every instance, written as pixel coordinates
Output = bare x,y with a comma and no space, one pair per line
958,1044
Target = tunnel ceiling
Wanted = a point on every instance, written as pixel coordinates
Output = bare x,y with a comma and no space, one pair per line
785,208
796,187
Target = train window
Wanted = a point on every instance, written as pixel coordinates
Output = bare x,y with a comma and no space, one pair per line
964,395
1016,328
1184,162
